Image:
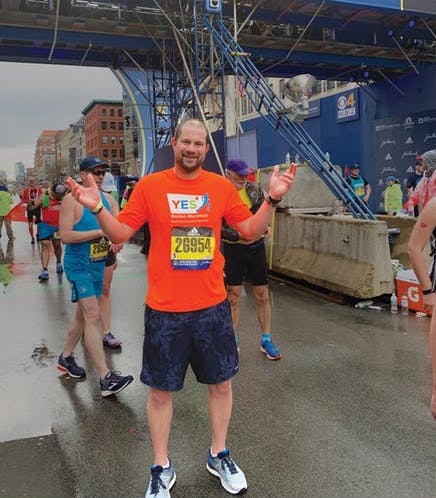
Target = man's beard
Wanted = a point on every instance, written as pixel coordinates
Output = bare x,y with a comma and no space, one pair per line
191,167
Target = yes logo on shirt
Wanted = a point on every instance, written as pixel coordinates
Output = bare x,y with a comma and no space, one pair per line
188,204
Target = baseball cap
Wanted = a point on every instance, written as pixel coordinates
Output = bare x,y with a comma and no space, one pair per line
108,184
355,166
239,166
391,179
92,162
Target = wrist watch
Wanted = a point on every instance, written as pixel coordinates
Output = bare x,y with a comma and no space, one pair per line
426,292
272,202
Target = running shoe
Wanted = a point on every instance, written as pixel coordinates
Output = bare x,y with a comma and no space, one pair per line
231,476
113,383
43,275
110,341
161,481
68,365
59,267
269,349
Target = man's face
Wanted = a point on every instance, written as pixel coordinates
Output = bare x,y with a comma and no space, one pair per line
354,172
190,148
98,173
238,181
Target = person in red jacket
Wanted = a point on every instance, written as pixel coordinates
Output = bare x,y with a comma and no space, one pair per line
30,194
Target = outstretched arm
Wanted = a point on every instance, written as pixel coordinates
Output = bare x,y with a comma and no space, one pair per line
254,227
89,197
421,233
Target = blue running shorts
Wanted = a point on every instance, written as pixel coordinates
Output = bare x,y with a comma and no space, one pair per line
204,339
85,287
45,231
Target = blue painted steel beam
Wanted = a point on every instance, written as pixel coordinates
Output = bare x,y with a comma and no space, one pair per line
74,38
328,59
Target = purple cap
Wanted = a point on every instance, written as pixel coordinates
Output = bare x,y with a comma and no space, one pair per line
239,166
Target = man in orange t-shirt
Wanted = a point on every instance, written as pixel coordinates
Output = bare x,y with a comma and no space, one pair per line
187,316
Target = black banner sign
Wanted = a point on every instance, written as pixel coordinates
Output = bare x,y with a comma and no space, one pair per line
397,142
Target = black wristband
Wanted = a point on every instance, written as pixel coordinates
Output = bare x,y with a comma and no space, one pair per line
273,202
426,292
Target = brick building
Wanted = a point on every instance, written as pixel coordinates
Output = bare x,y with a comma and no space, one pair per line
45,155
104,130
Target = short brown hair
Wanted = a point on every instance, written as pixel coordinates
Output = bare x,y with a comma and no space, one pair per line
192,122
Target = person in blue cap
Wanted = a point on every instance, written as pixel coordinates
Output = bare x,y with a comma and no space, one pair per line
246,259
359,184
86,252
393,196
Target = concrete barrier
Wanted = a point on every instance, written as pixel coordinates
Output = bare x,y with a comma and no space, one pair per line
337,253
308,190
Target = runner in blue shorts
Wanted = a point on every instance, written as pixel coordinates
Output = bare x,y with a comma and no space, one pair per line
187,317
48,206
84,261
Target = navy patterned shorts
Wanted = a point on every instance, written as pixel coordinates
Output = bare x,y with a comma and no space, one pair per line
203,339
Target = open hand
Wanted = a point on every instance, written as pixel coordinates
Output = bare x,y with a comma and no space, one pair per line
280,185
87,196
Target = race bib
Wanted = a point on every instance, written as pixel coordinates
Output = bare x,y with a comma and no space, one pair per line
98,249
192,248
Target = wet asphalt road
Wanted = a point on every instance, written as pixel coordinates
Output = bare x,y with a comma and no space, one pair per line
343,414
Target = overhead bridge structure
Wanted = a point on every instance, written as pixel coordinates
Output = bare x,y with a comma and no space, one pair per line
174,54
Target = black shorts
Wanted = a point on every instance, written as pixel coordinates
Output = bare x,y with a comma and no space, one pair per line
111,259
245,262
204,339
34,215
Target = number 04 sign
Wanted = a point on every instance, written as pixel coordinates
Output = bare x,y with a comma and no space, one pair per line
347,106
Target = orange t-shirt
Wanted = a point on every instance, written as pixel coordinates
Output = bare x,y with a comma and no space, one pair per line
185,264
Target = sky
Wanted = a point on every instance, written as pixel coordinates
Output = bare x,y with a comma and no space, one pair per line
36,97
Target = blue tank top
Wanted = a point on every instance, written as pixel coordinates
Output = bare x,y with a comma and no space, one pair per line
87,257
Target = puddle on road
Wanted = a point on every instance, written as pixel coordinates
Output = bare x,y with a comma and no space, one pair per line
42,357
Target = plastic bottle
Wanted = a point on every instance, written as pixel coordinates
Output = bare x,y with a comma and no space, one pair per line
411,210
404,305
394,304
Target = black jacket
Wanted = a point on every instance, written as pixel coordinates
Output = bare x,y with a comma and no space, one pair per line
255,193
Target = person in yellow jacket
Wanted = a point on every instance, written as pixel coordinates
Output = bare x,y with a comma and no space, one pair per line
393,196
6,201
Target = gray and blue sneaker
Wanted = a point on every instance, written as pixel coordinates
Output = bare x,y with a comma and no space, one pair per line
161,481
59,267
68,365
231,476
113,383
269,349
44,274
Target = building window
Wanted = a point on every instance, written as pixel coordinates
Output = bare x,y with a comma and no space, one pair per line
103,112
112,113
120,125
113,140
103,125
104,139
122,153
114,153
112,125
120,113
121,140
105,153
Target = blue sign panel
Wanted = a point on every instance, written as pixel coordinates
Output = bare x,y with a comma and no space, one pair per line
314,109
347,106
384,4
